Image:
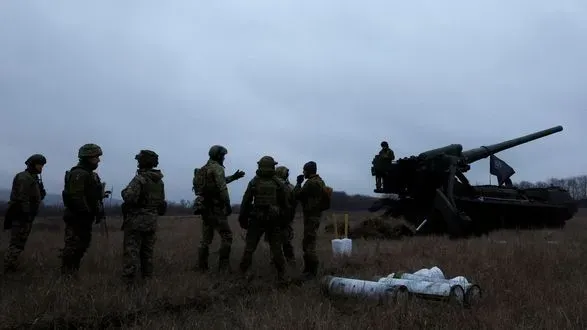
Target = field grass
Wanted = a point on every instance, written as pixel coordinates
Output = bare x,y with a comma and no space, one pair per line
531,280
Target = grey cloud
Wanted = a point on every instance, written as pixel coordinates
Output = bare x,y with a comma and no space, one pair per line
323,81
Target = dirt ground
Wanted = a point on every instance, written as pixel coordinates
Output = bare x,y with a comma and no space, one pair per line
531,280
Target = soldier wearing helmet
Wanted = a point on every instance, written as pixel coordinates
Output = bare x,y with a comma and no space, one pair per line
25,199
282,173
385,155
213,204
262,208
82,197
144,198
310,196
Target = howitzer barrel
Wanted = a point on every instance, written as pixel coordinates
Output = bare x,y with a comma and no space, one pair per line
473,155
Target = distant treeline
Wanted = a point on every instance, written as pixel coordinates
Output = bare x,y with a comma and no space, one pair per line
341,201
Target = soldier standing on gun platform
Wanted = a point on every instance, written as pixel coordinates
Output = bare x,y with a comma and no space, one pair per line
214,206
385,155
263,204
25,199
82,197
310,195
282,173
144,200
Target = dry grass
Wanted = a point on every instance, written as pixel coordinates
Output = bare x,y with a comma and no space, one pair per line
532,280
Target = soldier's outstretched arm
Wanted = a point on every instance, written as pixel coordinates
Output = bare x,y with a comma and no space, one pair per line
220,180
78,189
237,175
20,189
132,192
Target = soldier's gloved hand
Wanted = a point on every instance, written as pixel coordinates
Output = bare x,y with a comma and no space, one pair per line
300,179
243,221
238,174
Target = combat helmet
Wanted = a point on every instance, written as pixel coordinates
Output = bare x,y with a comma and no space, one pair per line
147,157
89,150
217,152
36,159
384,144
267,162
282,172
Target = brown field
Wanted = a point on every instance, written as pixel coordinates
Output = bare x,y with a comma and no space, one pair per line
531,280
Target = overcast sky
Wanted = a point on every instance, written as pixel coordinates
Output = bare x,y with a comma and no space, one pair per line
298,80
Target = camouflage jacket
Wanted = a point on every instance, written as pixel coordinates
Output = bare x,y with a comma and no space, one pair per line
310,195
82,191
144,197
387,153
26,193
290,213
216,191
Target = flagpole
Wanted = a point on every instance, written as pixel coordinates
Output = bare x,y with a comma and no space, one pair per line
490,171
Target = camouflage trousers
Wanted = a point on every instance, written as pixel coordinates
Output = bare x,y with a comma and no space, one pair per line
77,241
275,236
138,249
19,234
311,225
215,221
287,235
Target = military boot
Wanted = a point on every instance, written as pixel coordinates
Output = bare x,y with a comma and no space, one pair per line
224,259
203,259
310,269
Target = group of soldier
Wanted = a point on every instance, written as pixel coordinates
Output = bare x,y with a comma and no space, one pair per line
267,208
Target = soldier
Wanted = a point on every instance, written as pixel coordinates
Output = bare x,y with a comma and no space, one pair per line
282,173
263,203
385,155
310,195
82,197
25,199
212,192
144,200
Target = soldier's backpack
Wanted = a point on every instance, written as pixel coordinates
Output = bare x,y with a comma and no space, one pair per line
199,181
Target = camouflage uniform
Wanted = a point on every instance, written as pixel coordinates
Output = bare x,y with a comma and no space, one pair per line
25,199
282,173
82,197
386,155
261,212
144,200
310,195
216,208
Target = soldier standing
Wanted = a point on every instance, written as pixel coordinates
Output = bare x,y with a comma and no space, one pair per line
385,155
25,199
282,173
310,195
212,191
144,200
82,197
263,203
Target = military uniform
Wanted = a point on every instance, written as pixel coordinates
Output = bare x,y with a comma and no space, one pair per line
82,197
310,196
262,207
144,199
216,208
385,155
288,215
25,199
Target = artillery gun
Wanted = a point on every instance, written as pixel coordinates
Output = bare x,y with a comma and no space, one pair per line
430,191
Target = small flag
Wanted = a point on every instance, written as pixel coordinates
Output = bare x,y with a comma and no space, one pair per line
500,169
